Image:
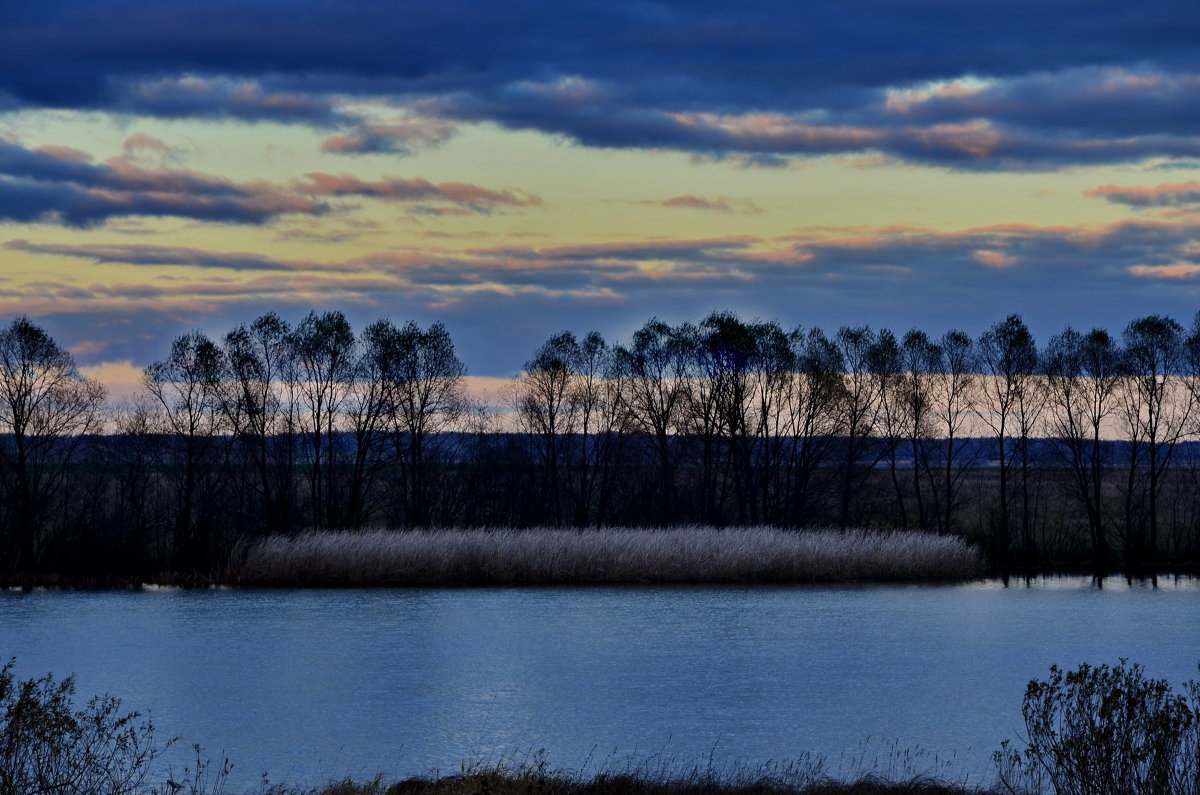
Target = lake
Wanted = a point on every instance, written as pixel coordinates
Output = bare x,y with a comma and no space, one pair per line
310,685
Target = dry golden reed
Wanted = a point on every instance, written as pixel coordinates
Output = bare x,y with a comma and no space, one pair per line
545,556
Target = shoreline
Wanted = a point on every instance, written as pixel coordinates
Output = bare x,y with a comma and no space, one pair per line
484,557
589,557
66,583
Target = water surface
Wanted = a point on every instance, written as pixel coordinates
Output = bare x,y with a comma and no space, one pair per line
310,685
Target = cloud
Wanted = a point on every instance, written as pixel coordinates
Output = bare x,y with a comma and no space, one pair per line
396,137
1179,195
1123,100
991,85
148,255
428,209
966,143
220,97
698,203
721,204
994,259
685,250
1178,271
507,298
464,195
901,263
146,150
62,185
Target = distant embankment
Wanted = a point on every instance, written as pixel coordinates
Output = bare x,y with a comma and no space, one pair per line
543,556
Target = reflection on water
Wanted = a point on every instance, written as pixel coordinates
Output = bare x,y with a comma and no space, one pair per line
310,685
1064,582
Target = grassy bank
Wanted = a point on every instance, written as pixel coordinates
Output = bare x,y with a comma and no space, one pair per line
518,783
545,556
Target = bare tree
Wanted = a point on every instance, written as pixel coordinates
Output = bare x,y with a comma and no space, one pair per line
953,404
775,380
721,355
921,362
653,368
322,346
545,405
426,393
183,387
369,405
1082,375
886,362
46,409
859,408
258,401
1155,406
814,420
1009,361
598,400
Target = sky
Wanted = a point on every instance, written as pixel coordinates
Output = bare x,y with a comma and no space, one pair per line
518,169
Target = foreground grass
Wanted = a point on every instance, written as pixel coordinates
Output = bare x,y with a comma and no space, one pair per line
544,556
535,784
902,772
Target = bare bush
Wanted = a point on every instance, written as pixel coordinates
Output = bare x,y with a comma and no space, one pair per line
1106,731
48,746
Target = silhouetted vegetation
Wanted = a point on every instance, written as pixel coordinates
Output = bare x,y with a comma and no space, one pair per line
47,745
1106,730
1083,453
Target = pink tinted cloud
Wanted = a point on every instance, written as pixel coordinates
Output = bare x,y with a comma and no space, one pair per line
1169,195
1177,272
721,204
415,190
67,154
143,148
395,137
995,259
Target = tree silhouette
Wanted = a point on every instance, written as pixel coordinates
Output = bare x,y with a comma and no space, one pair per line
46,409
184,388
1008,358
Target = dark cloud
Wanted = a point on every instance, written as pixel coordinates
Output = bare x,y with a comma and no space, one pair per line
694,49
219,97
967,142
62,185
1061,83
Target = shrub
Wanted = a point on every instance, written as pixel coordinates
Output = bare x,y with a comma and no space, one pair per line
48,746
1106,731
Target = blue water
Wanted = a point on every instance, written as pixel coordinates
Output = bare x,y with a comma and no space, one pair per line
310,685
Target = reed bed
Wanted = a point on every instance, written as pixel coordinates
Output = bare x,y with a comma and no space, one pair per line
546,556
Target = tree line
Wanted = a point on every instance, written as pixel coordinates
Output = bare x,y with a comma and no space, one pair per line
1086,448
